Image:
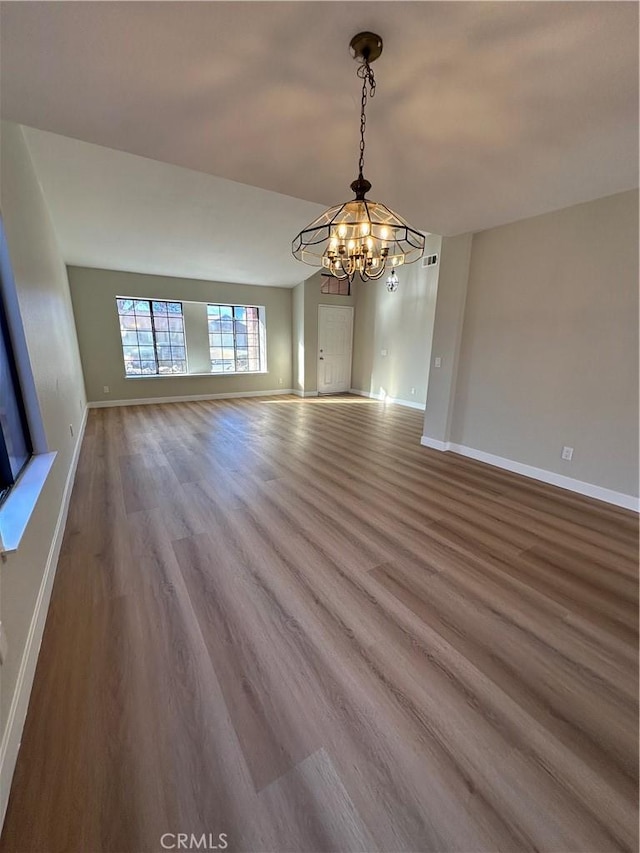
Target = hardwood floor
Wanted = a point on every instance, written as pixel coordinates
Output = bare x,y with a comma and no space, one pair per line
285,621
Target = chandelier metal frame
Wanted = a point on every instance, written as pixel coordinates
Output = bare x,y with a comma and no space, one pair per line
359,237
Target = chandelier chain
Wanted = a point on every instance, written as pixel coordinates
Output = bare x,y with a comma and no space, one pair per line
365,72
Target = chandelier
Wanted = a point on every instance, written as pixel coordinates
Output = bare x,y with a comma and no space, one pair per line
360,236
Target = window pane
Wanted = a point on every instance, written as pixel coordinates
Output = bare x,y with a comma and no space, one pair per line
143,323
172,367
12,423
128,321
234,342
152,333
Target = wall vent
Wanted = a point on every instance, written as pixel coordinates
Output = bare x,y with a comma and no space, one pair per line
429,260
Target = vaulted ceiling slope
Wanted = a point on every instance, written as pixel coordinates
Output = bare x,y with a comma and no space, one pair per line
485,112
114,210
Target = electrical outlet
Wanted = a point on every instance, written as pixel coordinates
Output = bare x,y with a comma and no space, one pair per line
438,361
567,453
105,388
384,352
413,390
280,381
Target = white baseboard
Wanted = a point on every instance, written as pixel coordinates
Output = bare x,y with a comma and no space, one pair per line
411,404
299,393
148,401
589,489
20,702
434,444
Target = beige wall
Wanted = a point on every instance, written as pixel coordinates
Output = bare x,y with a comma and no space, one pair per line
453,275
43,296
297,337
400,323
94,293
549,351
196,327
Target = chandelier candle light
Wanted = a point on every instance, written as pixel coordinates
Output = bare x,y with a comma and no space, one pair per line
360,236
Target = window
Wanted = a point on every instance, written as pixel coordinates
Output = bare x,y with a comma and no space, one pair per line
234,338
15,442
152,333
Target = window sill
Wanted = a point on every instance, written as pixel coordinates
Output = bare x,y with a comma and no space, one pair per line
187,375
18,508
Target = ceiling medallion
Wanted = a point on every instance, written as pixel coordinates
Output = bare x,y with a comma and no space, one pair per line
359,237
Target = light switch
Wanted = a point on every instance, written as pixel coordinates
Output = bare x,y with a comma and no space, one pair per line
383,352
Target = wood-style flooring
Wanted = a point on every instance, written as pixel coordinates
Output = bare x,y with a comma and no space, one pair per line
285,621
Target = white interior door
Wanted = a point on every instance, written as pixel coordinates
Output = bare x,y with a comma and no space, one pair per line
335,337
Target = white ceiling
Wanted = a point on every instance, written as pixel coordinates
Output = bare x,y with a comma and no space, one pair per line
485,112
113,210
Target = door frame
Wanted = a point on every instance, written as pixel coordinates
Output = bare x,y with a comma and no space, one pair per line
340,308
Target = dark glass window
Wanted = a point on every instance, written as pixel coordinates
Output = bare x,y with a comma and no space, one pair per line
234,338
152,332
15,443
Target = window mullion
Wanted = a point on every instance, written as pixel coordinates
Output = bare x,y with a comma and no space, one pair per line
235,342
153,333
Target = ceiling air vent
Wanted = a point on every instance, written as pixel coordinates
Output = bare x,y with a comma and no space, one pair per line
429,261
